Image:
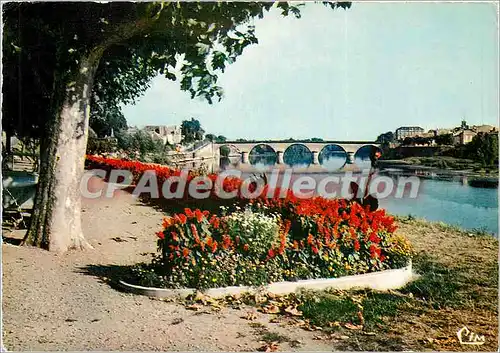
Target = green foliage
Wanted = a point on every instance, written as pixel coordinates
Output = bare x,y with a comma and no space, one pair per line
225,151
105,122
386,137
445,139
139,142
101,145
484,149
191,42
191,131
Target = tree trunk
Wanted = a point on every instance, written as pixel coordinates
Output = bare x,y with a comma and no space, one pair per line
8,144
56,220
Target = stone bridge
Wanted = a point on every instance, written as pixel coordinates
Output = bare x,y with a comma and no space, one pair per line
279,147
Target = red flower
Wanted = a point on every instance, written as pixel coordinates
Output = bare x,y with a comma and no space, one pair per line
271,253
188,212
226,242
182,218
374,251
374,238
174,236
185,252
310,239
314,249
356,245
246,247
199,215
167,222
160,235
214,247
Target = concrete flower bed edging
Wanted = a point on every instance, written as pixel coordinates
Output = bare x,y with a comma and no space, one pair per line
382,280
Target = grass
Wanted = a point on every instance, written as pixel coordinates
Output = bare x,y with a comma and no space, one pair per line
324,309
270,337
457,286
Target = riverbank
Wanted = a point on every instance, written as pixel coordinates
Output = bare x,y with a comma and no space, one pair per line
68,302
444,168
451,165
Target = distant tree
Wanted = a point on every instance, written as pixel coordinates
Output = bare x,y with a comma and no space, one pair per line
211,137
241,140
386,137
225,151
221,138
317,139
483,148
105,121
191,131
408,141
445,139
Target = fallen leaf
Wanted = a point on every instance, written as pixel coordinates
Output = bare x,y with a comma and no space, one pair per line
293,311
272,347
299,323
334,324
369,333
271,309
194,307
250,315
353,327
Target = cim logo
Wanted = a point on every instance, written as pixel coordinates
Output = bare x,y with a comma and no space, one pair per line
466,336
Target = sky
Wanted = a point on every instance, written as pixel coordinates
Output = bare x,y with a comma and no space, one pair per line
348,75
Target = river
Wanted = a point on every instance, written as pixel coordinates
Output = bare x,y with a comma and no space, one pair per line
450,201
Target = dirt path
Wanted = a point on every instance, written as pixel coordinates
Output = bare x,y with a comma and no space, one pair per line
60,302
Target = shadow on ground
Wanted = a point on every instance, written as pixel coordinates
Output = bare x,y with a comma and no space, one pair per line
109,274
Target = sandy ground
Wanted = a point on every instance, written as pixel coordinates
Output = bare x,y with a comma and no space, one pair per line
60,302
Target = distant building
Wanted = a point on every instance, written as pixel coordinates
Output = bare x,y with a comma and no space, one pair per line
484,128
408,131
438,132
464,136
168,134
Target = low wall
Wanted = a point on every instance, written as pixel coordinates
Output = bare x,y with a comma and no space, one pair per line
382,280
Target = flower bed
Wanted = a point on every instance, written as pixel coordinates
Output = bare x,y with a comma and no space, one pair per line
257,245
268,240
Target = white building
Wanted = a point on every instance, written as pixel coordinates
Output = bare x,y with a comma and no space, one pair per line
168,134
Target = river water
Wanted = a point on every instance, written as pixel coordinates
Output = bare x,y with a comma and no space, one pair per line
450,201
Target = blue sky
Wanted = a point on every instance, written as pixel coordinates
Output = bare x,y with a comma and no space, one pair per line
348,74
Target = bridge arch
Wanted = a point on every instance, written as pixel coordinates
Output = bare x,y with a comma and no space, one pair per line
305,155
262,155
333,157
362,155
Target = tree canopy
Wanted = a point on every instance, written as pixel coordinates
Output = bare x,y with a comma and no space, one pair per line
190,42
65,62
191,131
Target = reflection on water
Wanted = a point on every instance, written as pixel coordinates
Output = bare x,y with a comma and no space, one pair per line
332,157
448,201
298,156
362,156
